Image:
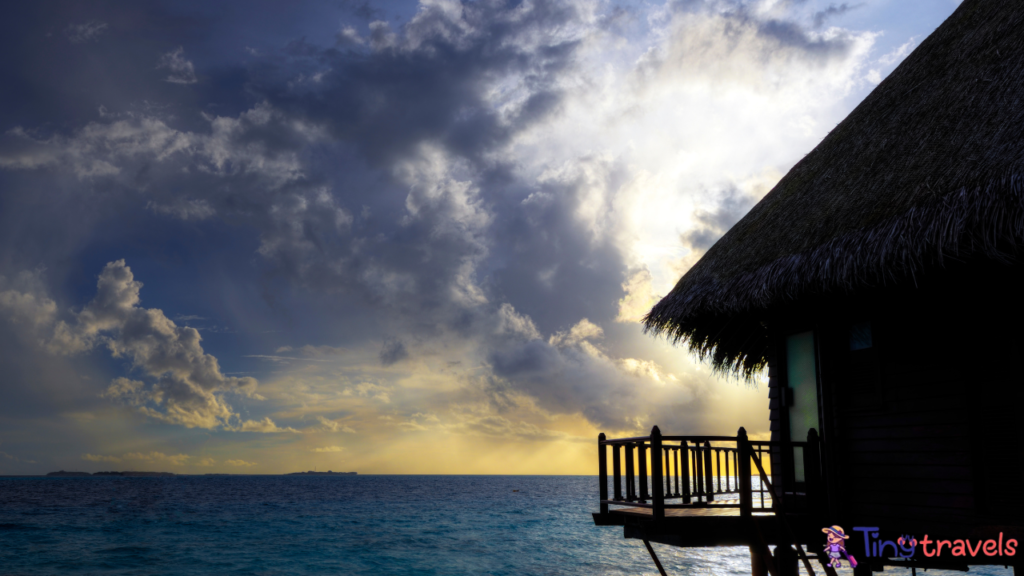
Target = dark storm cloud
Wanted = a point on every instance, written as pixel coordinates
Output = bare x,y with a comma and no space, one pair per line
791,34
392,352
787,33
733,204
415,105
570,374
428,81
832,11
371,164
553,264
534,357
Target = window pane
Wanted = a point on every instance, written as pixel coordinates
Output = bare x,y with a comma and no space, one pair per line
803,413
860,336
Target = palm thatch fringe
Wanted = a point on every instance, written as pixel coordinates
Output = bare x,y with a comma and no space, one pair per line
722,321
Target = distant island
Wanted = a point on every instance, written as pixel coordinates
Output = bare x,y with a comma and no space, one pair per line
130,473
328,473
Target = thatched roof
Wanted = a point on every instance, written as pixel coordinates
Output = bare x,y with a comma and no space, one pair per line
929,166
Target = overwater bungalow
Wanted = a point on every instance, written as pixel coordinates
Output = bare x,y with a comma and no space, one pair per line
880,285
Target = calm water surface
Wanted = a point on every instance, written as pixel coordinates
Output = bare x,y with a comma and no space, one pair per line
270,525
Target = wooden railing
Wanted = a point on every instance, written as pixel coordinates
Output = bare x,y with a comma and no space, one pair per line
699,471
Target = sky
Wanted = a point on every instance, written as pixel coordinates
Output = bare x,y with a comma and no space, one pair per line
389,237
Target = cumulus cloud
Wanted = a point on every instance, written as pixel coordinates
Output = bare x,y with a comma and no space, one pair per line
106,149
738,45
832,11
100,458
496,183
188,385
571,373
369,390
899,53
176,459
264,425
328,449
23,302
241,463
515,326
582,331
181,70
381,36
505,254
349,36
639,298
152,457
333,425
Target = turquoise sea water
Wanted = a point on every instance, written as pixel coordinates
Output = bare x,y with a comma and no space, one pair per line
284,525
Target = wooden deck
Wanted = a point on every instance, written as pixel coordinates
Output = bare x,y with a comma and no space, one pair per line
701,526
696,512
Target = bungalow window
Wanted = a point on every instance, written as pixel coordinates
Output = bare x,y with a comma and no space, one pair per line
863,373
860,336
802,377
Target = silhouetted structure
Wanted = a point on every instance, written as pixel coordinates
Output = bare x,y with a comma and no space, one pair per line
879,284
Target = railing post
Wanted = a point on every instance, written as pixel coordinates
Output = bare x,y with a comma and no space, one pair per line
728,476
698,471
679,470
812,471
735,468
718,469
630,476
709,483
666,469
670,460
659,485
617,465
743,473
685,457
642,461
602,463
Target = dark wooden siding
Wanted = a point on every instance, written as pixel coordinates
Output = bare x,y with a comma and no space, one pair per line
925,427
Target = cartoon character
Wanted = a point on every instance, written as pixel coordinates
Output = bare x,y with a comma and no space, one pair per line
836,547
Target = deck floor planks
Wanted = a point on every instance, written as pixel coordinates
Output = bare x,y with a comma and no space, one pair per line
701,511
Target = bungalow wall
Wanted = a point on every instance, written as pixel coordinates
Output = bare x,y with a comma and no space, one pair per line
923,427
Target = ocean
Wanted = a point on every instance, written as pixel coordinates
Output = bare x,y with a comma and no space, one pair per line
292,525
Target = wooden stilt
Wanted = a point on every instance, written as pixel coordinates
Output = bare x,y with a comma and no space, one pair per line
655,558
760,556
757,563
785,560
